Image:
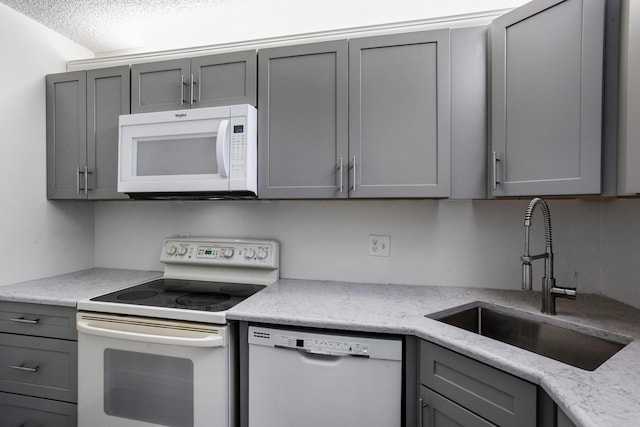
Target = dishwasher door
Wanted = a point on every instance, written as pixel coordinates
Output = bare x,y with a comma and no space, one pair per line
318,380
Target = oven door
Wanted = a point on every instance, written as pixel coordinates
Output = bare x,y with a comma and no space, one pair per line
135,372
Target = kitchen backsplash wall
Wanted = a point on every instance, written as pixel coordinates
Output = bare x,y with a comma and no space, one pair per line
449,243
39,238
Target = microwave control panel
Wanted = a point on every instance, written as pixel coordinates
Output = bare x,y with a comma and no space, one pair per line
238,142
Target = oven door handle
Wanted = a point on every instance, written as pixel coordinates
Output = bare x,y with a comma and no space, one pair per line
210,340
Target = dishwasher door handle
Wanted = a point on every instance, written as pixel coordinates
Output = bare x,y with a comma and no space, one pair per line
305,351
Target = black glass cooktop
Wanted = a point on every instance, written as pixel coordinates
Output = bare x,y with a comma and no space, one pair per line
185,294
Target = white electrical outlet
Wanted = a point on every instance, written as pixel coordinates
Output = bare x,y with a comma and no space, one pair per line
379,245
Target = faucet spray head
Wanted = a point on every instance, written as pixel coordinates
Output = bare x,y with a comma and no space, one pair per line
526,276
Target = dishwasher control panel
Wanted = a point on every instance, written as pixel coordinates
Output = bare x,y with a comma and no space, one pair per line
327,344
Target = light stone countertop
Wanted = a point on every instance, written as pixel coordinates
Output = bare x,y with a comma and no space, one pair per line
68,289
608,396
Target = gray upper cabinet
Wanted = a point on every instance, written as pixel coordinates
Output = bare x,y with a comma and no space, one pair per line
160,86
303,121
82,132
107,99
66,134
207,81
629,153
546,99
368,117
399,115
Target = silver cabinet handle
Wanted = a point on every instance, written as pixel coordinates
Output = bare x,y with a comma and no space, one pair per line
421,407
355,175
78,180
86,180
495,159
181,89
341,187
21,367
23,320
192,93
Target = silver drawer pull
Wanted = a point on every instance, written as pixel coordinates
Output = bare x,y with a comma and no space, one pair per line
23,320
25,368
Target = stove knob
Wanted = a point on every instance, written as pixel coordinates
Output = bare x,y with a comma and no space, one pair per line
250,253
262,253
172,250
228,253
182,251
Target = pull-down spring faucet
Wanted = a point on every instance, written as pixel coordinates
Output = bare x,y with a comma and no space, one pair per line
549,289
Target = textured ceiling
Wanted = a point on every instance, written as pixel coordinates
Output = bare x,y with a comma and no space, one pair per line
110,27
95,23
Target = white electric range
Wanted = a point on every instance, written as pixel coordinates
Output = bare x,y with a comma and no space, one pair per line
162,353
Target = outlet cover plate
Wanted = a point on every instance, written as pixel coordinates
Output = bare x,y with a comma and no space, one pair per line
379,245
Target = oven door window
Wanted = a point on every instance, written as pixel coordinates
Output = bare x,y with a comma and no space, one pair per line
148,387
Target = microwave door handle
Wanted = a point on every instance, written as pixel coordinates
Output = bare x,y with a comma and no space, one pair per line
222,148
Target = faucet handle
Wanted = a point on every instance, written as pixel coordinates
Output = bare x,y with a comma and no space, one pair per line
563,292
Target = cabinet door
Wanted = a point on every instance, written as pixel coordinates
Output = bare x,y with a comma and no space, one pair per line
107,98
160,86
226,79
629,160
302,121
38,320
563,420
399,115
492,394
27,411
66,134
438,411
546,98
41,367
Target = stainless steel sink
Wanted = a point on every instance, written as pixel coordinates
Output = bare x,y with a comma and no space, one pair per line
565,345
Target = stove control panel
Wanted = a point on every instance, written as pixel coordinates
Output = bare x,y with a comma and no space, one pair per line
221,252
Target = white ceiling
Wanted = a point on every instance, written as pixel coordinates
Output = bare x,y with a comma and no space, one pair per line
126,26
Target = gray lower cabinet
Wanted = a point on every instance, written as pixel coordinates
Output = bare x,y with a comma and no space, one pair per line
367,117
207,81
438,411
547,84
82,132
457,390
38,365
27,411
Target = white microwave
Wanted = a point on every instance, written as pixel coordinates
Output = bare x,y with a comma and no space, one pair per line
198,153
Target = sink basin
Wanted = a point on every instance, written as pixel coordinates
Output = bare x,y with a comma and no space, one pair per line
565,345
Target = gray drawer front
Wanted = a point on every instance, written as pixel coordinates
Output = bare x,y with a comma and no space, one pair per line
438,411
494,395
28,411
48,367
38,320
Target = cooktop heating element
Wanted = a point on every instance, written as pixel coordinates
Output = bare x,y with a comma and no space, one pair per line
184,294
203,278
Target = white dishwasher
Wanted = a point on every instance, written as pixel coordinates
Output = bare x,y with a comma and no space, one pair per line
300,378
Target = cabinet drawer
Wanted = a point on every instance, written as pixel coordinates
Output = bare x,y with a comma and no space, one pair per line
30,411
438,411
40,367
494,395
38,320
